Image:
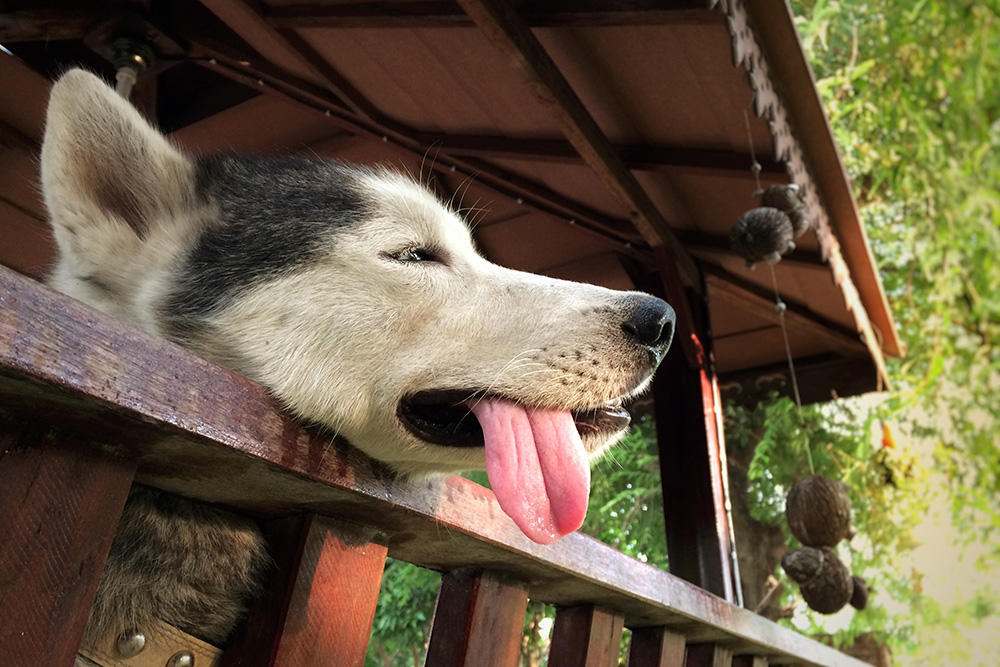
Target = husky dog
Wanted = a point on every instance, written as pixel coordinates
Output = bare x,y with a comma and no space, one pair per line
358,299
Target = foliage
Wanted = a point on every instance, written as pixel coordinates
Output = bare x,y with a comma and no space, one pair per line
627,499
403,616
910,90
886,490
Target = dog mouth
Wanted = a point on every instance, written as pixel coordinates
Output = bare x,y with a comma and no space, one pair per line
445,417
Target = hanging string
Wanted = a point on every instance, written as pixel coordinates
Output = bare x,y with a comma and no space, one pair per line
754,165
781,307
779,304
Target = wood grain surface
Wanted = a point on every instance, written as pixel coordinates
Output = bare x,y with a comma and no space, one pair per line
211,434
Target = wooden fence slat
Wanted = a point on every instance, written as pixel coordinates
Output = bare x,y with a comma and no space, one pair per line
320,602
210,434
749,661
478,621
656,647
59,507
708,655
586,636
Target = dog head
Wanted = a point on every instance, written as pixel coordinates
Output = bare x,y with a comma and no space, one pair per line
356,297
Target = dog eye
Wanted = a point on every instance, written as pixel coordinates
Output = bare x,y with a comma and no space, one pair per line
415,255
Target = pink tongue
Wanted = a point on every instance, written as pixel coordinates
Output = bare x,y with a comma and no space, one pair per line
537,467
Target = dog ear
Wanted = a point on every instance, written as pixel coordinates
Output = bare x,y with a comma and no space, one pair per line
104,164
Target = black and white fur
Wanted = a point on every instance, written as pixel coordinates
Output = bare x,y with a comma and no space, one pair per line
347,291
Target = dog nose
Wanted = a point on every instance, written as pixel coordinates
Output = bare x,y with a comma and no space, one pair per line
651,322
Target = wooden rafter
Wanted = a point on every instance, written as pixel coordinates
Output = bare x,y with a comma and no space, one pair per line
443,13
44,25
501,24
638,157
712,243
744,295
272,80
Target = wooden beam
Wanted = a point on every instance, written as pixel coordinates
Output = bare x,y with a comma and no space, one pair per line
818,377
692,457
320,601
638,157
44,25
12,139
444,14
272,80
478,621
719,245
246,18
708,655
746,296
586,636
500,23
59,507
656,647
215,436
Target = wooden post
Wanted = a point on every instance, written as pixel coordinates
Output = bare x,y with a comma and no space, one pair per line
478,622
708,655
586,636
749,661
656,647
692,453
320,603
60,501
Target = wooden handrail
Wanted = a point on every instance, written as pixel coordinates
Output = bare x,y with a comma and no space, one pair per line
205,432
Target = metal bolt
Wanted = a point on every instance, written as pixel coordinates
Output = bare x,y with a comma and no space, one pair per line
181,659
130,643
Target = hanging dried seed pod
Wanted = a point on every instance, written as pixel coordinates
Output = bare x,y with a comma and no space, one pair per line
818,511
762,235
785,198
859,598
825,582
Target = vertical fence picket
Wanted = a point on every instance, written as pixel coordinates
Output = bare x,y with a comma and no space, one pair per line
319,606
708,655
478,621
59,507
586,636
656,647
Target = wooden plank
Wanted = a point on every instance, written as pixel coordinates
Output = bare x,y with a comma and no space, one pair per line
636,157
478,621
44,25
656,647
848,376
213,435
740,293
443,14
694,499
246,18
720,245
320,603
749,661
501,24
708,655
586,636
59,506
505,183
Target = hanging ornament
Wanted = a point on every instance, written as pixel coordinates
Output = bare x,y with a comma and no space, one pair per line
859,598
785,198
818,511
825,582
762,235
766,233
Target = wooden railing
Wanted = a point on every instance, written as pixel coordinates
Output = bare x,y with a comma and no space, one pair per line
88,404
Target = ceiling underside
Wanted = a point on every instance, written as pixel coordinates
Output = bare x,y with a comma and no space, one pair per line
600,141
